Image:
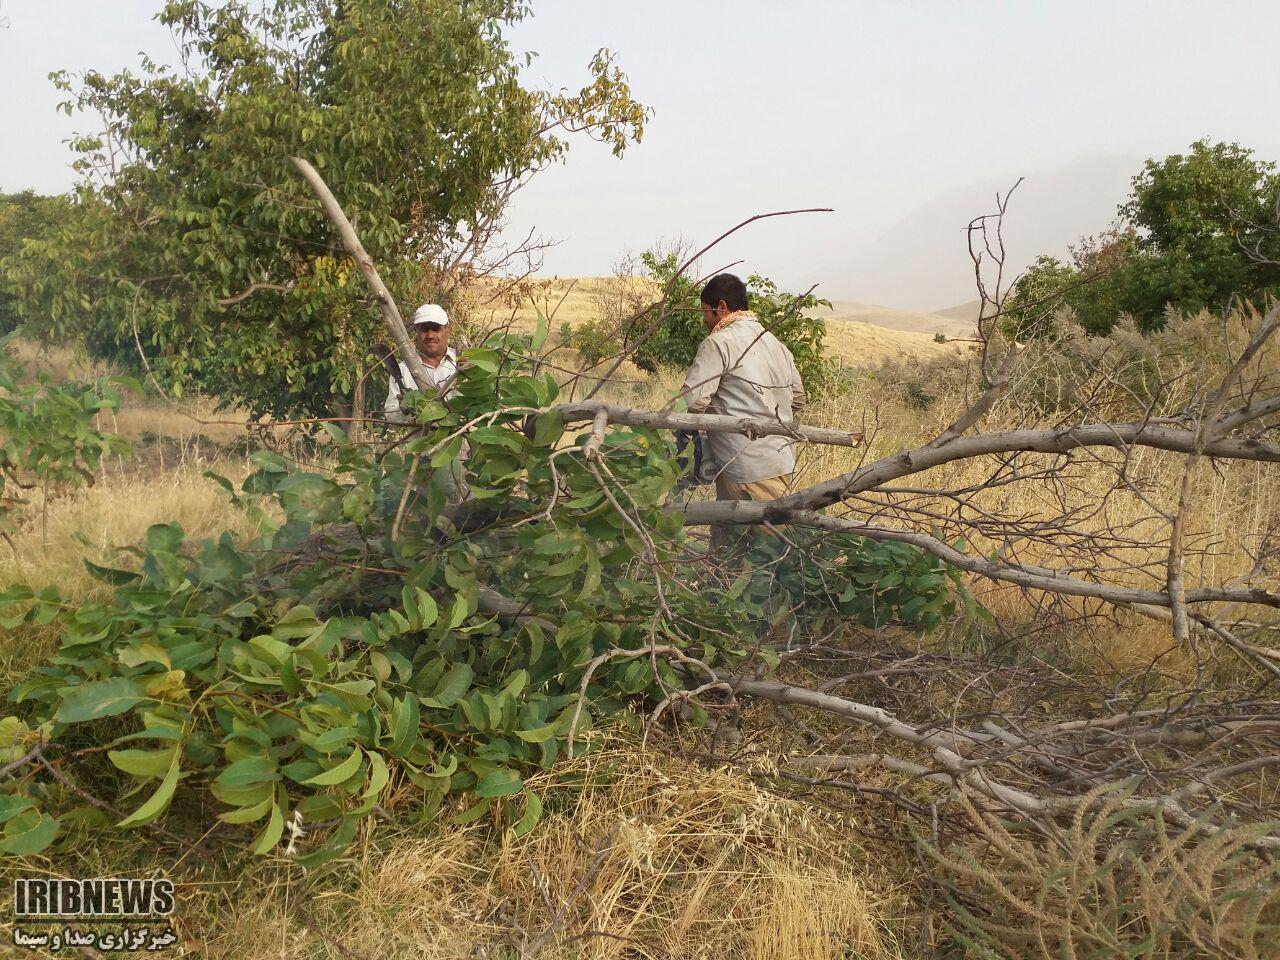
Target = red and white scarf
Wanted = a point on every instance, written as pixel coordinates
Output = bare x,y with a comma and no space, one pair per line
729,318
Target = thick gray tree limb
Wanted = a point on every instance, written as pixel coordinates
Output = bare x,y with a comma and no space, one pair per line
1045,440
586,411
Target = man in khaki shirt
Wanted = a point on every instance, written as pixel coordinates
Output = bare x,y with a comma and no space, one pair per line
743,370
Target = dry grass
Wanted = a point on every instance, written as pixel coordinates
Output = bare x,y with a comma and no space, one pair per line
49,549
955,323
116,511
572,300
858,344
666,858
140,419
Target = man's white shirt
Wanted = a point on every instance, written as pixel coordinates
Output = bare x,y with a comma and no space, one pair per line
439,375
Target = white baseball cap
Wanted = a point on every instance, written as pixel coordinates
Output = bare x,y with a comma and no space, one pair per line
430,313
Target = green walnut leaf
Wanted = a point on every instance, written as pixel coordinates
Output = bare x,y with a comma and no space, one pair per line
29,832
343,771
159,800
99,698
452,686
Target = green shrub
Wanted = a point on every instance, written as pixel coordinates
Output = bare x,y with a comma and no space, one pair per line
1198,232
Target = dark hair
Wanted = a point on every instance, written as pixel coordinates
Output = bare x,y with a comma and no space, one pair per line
726,287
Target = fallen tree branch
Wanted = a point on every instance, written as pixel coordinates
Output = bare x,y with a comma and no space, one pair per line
1045,440
962,757
969,775
740,512
587,410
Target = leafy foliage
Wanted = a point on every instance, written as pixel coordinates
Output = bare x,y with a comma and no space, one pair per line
845,577
193,233
1195,234
47,435
23,216
785,315
342,660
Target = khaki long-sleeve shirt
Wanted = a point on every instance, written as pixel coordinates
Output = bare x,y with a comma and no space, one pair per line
742,370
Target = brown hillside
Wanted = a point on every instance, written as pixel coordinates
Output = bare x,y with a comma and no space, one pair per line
967,312
905,321
858,335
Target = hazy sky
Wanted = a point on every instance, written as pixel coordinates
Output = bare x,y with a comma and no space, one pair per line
875,108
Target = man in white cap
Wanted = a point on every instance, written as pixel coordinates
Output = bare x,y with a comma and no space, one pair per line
431,331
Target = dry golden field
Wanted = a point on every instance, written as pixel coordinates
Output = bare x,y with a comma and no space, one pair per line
857,335
955,323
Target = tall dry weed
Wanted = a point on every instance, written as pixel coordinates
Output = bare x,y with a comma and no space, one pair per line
1112,884
49,549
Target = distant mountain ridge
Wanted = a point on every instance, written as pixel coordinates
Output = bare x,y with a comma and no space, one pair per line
923,259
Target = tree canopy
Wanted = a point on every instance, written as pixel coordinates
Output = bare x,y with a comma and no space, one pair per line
1198,231
193,239
25,215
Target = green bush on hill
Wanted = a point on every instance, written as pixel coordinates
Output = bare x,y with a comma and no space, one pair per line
1200,231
